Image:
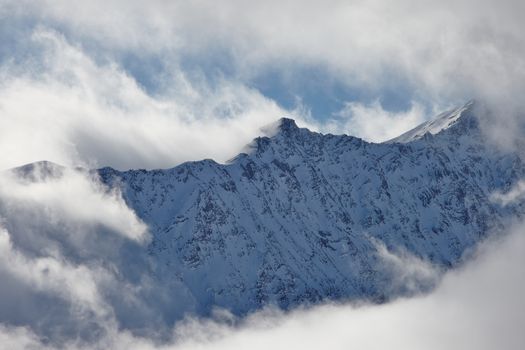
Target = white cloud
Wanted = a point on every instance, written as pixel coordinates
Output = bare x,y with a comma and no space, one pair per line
19,338
410,274
477,307
70,198
75,111
373,123
73,259
441,45
517,192
75,283
437,53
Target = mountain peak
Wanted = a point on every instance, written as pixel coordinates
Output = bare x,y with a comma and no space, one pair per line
440,123
284,126
287,124
40,170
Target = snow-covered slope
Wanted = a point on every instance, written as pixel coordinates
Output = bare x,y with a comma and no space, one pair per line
298,218
441,122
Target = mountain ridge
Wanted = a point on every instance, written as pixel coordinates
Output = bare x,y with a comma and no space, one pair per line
300,201
440,123
299,217
287,126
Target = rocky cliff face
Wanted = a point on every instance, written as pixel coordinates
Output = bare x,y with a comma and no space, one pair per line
300,216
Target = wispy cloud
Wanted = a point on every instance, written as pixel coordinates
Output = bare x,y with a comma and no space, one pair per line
516,193
374,123
75,111
65,244
408,273
72,196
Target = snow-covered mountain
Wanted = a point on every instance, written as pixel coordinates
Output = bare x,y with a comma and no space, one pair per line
299,216
441,122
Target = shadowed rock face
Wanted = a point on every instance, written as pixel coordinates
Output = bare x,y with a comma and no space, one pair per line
299,216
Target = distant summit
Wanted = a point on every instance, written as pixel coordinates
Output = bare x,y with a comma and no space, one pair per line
39,171
442,122
282,126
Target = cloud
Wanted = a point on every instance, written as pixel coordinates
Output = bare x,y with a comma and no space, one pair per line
19,338
73,259
133,84
75,111
373,123
476,307
443,47
70,196
409,274
75,283
516,193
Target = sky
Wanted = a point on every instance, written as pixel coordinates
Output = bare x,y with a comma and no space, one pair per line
151,84
130,84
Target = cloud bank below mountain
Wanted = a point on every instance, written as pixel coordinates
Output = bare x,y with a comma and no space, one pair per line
476,307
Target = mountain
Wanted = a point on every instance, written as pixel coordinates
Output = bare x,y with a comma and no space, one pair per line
443,121
299,216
